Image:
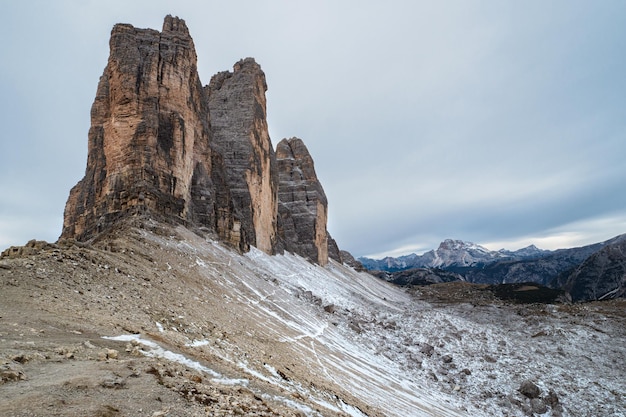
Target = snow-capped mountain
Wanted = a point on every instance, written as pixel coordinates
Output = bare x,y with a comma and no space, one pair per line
459,253
452,253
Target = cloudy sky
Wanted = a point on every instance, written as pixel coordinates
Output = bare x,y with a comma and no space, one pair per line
498,122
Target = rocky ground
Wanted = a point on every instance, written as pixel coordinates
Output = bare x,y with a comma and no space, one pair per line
156,321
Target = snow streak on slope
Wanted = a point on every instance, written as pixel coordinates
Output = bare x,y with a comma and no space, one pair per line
276,306
341,341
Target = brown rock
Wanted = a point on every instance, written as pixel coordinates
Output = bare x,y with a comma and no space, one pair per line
302,208
149,135
162,146
32,247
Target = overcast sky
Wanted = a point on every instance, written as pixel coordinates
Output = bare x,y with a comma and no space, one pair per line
497,122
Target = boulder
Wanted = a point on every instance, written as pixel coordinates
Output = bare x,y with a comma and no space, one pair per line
529,389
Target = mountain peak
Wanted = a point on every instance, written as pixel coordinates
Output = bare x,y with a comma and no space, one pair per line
451,253
175,24
163,146
456,244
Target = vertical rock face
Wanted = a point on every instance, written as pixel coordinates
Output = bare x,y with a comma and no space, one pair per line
149,135
302,207
163,146
239,131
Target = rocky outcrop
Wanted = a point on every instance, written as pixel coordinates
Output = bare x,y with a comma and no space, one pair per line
418,276
163,146
239,130
303,207
149,135
31,248
347,258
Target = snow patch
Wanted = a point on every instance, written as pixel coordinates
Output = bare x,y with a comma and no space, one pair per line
153,349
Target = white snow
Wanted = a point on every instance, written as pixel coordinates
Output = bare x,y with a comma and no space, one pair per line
197,343
372,345
153,349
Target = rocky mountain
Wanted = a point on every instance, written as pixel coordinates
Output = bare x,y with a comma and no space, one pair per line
237,114
162,144
528,252
542,270
195,276
452,254
600,276
586,273
418,276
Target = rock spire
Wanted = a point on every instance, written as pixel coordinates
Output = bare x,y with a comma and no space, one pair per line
161,145
149,135
240,134
302,208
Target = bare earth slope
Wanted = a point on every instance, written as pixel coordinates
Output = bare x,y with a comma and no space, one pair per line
156,321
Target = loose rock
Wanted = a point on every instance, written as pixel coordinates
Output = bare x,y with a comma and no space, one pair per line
529,389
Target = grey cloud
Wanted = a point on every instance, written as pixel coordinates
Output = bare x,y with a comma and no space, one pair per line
486,121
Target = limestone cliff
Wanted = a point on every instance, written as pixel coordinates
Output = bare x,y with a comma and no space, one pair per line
149,135
163,146
239,132
302,207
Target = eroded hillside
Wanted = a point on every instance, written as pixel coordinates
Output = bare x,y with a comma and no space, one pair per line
155,320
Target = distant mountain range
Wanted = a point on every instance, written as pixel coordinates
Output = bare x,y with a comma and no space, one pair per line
589,272
452,253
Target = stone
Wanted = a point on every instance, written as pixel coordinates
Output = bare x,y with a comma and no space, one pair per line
427,349
11,373
552,399
149,135
112,382
538,406
303,207
529,389
161,146
237,109
347,258
334,252
32,247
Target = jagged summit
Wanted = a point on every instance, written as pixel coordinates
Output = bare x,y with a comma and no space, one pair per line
237,112
452,253
302,202
175,24
163,145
